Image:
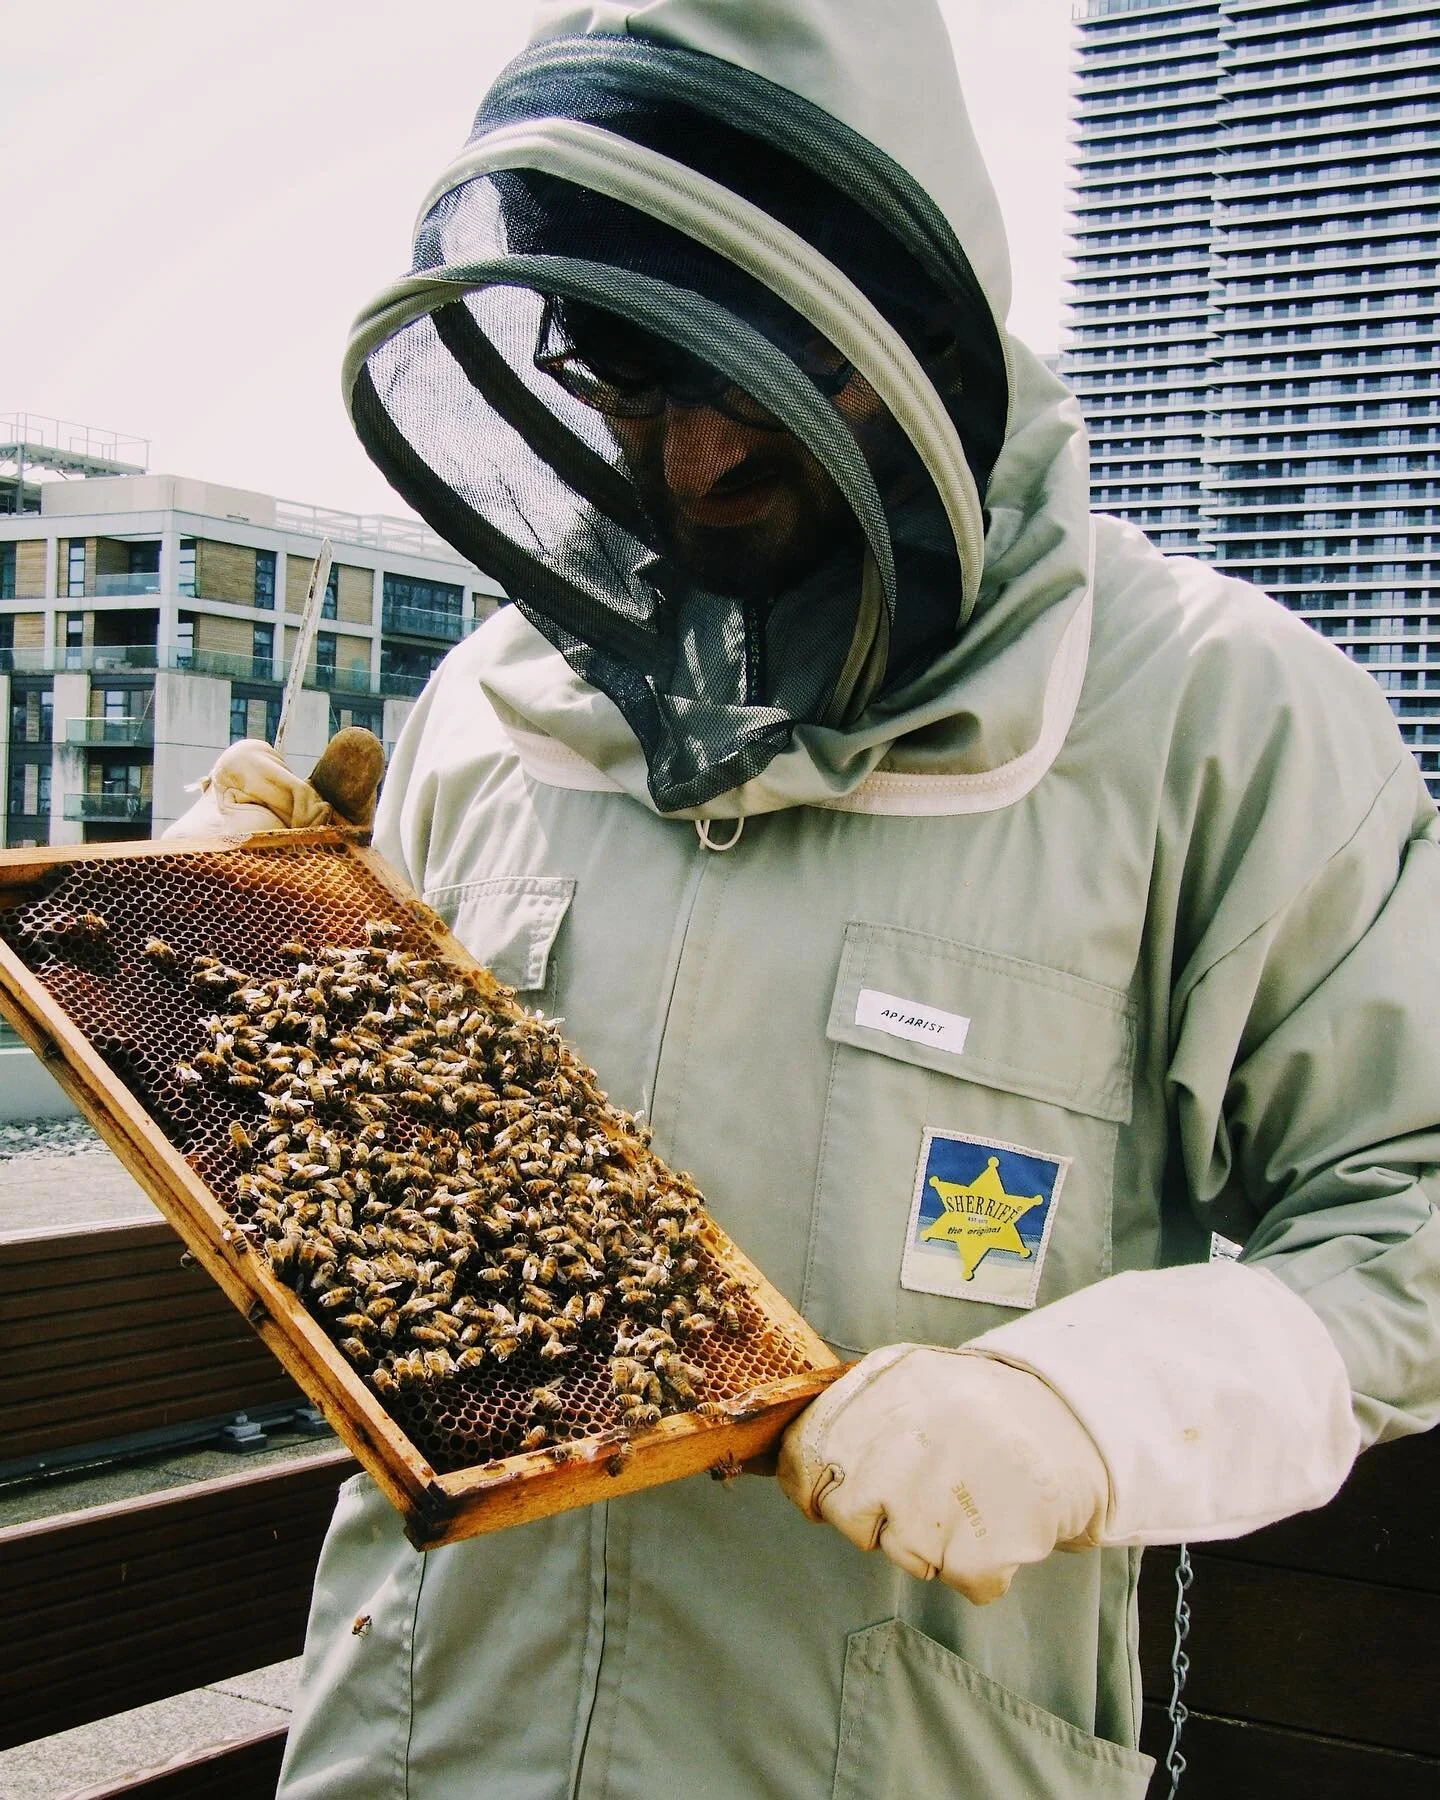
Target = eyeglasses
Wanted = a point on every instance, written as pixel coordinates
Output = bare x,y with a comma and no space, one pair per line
619,370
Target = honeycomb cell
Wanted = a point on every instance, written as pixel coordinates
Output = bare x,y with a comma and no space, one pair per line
202,966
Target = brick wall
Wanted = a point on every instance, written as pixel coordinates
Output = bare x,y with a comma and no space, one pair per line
233,637
356,595
225,572
29,631
29,571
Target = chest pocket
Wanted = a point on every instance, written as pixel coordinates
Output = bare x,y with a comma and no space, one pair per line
968,1150
510,923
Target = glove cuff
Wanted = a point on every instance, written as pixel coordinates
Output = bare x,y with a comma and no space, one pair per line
1215,1395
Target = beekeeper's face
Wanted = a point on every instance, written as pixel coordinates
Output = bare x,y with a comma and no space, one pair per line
739,503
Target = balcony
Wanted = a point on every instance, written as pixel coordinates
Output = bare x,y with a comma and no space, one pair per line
422,621
106,808
124,587
109,732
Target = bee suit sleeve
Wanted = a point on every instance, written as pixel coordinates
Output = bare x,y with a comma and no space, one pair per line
1204,1401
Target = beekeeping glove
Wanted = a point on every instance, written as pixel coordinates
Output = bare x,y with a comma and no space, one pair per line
1152,1408
252,788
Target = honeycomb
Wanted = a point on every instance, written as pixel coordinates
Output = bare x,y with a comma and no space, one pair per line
147,956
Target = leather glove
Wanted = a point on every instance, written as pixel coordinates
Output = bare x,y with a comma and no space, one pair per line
1156,1407
252,788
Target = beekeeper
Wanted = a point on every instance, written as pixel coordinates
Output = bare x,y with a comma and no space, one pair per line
986,907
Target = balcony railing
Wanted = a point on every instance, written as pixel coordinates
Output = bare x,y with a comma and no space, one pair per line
422,621
109,731
106,808
48,658
119,587
224,664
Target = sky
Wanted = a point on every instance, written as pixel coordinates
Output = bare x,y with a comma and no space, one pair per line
200,197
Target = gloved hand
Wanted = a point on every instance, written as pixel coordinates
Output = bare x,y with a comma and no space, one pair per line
251,788
1157,1407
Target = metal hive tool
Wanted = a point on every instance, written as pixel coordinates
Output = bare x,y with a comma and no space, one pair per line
122,1026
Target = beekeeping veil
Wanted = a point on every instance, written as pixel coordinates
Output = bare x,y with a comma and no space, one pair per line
652,267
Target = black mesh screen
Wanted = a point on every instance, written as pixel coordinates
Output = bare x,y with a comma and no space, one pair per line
702,545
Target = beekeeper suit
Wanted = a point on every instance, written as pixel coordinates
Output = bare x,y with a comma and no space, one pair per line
987,908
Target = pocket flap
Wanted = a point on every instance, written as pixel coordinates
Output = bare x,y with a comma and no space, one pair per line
508,922
987,1018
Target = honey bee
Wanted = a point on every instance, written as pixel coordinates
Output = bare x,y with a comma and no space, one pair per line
160,953
534,1438
546,1402
240,1140
357,1352
188,1076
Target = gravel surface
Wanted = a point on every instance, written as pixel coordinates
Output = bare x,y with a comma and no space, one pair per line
47,1137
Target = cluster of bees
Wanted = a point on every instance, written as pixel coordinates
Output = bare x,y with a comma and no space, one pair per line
443,1183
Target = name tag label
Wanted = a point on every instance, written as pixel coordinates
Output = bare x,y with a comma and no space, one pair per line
908,1019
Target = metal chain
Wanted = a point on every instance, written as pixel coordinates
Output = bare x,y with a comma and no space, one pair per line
1175,1763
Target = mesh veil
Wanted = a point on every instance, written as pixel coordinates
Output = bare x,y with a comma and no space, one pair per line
684,485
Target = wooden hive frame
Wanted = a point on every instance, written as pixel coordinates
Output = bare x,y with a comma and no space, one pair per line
437,1508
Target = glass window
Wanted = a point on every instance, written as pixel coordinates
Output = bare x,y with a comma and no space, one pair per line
262,650
75,569
325,647
369,718
184,640
239,717
331,607
185,582
265,579
7,571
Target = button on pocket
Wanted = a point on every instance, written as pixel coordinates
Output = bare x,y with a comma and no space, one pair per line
969,1139
510,923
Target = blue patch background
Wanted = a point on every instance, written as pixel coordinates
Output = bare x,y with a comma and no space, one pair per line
961,1161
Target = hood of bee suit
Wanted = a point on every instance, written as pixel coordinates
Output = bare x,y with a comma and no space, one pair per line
741,183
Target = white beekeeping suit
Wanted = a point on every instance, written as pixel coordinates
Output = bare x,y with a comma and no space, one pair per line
1078,903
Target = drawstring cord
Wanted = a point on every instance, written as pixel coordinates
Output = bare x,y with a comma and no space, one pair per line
702,830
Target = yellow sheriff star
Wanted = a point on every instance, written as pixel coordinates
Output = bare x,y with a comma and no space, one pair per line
979,1218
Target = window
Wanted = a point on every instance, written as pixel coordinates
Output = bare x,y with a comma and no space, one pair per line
74,639
262,650
331,607
185,584
325,656
185,641
369,718
265,579
253,715
75,569
7,571
121,779
7,631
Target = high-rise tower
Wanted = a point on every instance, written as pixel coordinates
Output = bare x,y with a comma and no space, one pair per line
1258,202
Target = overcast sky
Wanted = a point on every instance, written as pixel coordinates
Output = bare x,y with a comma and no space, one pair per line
199,197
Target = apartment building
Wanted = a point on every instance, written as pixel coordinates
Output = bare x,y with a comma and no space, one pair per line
147,621
1254,339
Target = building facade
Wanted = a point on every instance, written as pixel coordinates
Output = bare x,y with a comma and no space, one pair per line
1253,330
147,621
